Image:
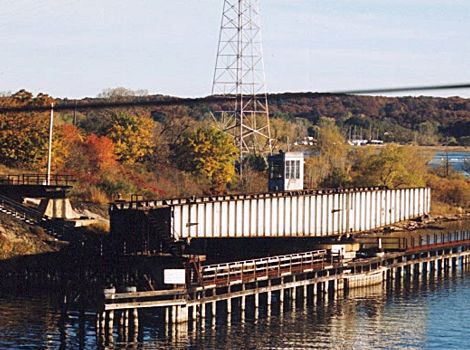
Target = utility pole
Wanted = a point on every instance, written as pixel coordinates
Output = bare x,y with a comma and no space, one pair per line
49,150
239,76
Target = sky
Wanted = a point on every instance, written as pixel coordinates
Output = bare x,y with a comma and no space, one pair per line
77,48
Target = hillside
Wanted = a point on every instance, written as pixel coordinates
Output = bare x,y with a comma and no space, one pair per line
425,120
17,239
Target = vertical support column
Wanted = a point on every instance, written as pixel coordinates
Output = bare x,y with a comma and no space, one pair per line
213,311
256,305
110,322
281,296
135,316
202,311
326,293
106,324
193,313
304,296
125,323
181,313
101,320
229,310
243,303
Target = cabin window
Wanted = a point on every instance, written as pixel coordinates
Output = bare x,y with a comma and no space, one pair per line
288,170
292,169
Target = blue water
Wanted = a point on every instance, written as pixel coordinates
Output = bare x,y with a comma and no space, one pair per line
455,159
426,314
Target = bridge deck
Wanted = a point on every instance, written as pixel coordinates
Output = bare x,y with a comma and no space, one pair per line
35,185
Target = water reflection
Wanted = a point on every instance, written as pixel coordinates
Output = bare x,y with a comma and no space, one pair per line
413,313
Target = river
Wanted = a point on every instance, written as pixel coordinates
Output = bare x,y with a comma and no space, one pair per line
431,313
457,160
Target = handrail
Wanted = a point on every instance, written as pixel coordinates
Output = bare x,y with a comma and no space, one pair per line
37,179
271,267
424,241
147,294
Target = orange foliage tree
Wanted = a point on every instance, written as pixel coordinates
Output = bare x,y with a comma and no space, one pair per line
101,153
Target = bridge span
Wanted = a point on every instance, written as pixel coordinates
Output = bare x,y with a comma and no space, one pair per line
147,225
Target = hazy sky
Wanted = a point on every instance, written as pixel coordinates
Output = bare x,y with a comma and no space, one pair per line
77,48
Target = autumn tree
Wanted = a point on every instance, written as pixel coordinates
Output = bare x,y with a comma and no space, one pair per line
392,166
66,143
23,135
329,166
132,136
208,152
285,133
101,152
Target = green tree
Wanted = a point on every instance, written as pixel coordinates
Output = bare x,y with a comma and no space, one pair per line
393,166
208,152
132,136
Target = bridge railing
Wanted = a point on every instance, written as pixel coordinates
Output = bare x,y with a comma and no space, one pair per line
271,267
37,179
435,240
424,241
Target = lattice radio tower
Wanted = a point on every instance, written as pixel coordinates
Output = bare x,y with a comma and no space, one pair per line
239,76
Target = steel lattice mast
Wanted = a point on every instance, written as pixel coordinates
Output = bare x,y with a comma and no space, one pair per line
239,76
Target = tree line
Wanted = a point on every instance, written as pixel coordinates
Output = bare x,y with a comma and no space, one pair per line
176,150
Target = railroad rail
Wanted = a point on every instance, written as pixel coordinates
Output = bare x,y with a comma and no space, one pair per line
33,217
137,203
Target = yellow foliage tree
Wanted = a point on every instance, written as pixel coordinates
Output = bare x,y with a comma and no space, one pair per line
24,136
132,136
393,166
208,152
330,166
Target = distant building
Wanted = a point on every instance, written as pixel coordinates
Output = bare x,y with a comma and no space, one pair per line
306,141
365,142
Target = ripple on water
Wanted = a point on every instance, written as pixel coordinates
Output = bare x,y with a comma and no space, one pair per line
431,315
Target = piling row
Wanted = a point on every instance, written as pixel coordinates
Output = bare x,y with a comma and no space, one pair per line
206,305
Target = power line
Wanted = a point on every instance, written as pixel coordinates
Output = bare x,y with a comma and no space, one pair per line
405,89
